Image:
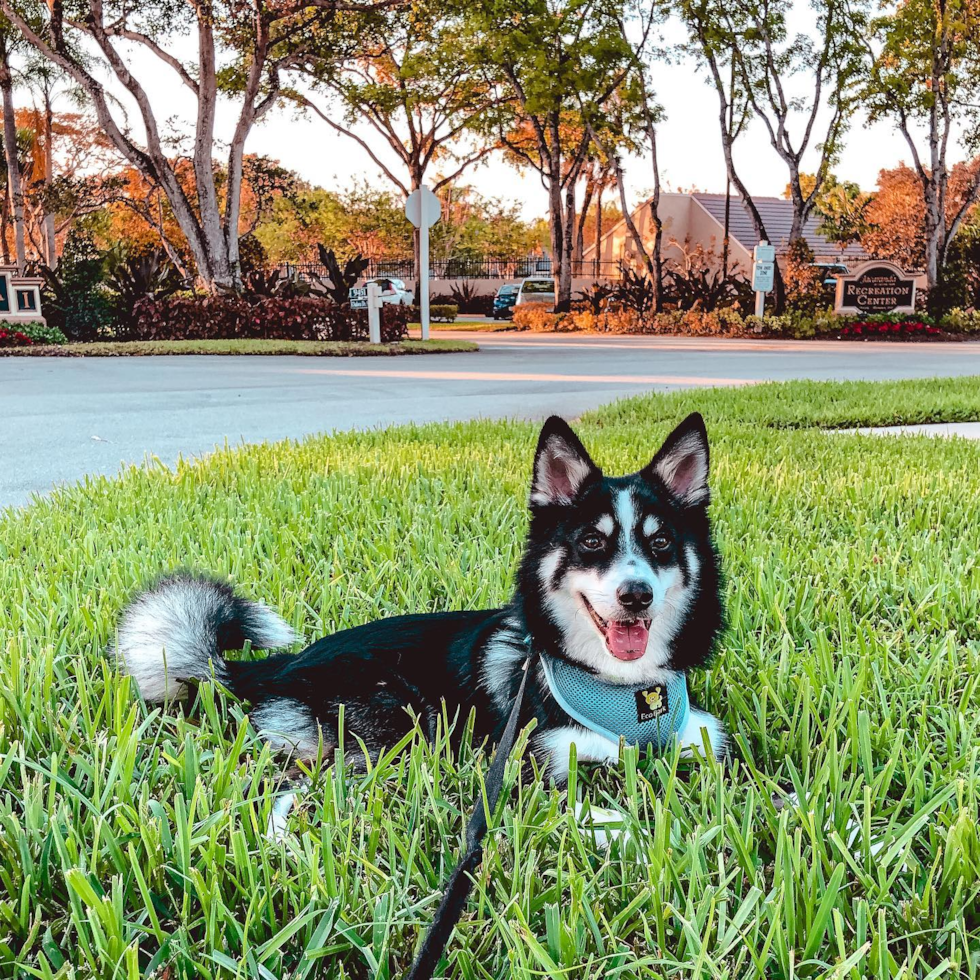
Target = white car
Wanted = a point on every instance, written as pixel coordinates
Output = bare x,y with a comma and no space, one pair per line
393,292
536,289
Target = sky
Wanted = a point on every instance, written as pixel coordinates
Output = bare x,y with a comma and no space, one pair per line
688,141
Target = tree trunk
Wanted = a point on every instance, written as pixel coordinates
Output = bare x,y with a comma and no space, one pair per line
568,240
50,234
5,228
658,225
556,222
597,268
14,184
580,233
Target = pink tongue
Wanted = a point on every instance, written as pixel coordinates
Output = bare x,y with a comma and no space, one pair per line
627,641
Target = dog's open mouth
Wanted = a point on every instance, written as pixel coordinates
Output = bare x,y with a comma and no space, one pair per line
625,639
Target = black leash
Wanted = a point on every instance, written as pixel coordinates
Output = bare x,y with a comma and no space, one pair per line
460,882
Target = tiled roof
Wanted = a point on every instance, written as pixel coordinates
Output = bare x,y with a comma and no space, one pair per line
777,216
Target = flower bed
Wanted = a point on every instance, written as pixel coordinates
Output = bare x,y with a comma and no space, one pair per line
895,330
956,325
14,338
29,334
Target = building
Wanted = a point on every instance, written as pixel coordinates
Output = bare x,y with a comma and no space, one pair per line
696,219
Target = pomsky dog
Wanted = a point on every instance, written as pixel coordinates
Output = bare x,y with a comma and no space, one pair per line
617,590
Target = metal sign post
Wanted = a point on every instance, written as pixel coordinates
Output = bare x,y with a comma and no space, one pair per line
423,209
763,274
374,312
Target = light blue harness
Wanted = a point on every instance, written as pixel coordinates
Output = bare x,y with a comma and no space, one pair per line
649,714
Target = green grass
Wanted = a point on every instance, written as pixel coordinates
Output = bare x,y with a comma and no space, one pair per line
307,348
474,326
132,839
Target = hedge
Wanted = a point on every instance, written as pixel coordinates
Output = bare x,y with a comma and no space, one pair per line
274,318
732,323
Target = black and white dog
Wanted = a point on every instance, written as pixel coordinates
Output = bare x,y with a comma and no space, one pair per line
618,591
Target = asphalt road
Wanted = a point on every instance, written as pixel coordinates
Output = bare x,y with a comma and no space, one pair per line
63,418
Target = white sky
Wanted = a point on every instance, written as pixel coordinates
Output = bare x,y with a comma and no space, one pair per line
689,144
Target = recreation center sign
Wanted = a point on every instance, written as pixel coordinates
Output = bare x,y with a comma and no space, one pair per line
876,287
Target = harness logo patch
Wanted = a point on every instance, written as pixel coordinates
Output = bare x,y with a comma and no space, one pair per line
651,703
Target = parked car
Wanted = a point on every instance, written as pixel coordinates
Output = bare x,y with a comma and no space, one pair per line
536,289
393,292
831,270
503,302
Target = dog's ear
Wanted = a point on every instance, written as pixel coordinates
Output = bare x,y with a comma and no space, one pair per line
561,465
681,465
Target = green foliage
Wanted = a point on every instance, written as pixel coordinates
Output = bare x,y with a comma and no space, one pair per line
362,220
340,279
41,333
132,839
132,276
74,297
843,211
445,312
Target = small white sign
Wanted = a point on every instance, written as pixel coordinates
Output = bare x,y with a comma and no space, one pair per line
763,276
359,298
764,252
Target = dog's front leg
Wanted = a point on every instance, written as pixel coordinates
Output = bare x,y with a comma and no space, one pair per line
691,737
553,747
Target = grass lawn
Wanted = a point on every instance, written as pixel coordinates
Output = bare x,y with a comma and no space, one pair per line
473,326
308,348
131,840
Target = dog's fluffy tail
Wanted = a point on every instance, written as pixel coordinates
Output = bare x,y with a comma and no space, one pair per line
177,630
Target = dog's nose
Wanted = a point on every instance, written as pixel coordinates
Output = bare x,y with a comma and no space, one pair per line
634,596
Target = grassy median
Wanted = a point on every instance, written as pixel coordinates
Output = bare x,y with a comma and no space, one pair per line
306,348
131,838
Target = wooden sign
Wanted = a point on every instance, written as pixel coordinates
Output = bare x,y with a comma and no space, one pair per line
876,287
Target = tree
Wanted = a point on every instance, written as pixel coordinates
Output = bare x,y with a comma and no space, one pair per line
407,83
242,48
556,63
767,66
897,218
843,210
923,71
15,187
770,63
632,125
714,44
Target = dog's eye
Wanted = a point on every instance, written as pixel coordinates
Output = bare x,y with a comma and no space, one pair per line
660,541
592,541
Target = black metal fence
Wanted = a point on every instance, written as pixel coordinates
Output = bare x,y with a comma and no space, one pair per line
463,268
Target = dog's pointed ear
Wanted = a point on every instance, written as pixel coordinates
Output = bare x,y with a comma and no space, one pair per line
561,465
681,465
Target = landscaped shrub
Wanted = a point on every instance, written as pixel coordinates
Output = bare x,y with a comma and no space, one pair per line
726,322
595,298
803,280
961,321
894,330
229,317
133,276
698,281
74,297
14,337
634,291
537,317
40,333
466,298
340,279
445,312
